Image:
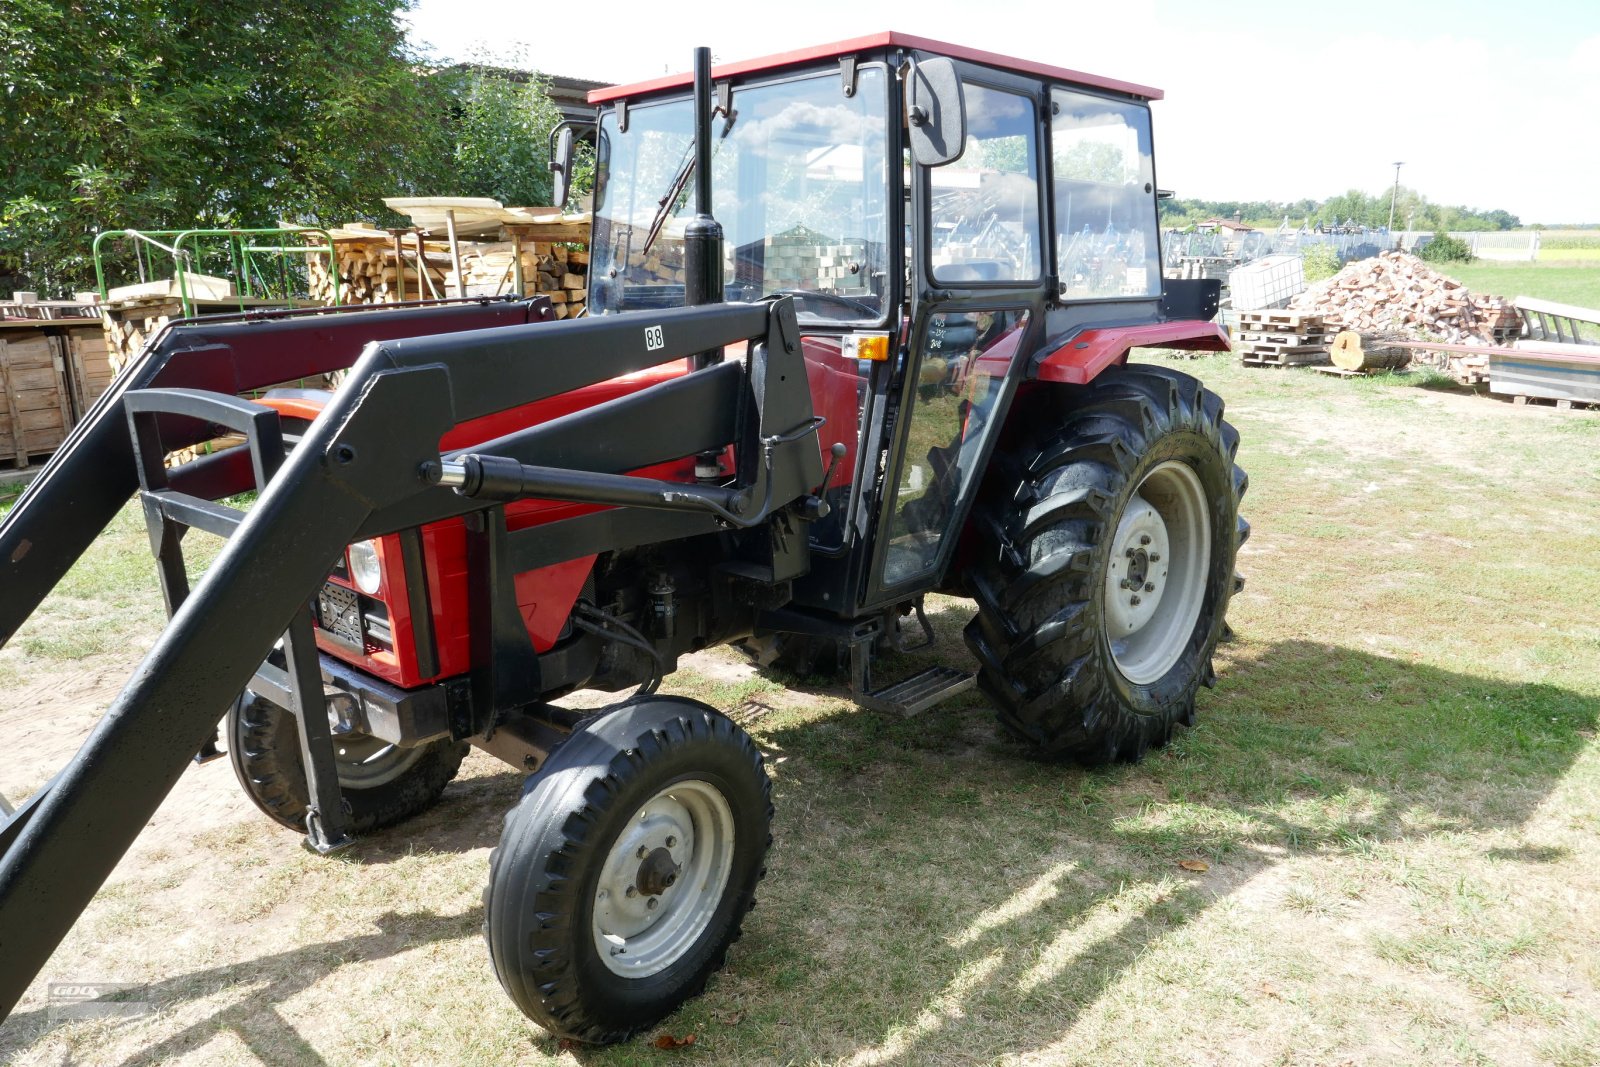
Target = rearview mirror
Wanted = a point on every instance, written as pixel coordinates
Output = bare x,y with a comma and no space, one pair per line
560,164
935,112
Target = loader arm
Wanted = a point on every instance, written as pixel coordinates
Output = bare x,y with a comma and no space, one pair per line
370,453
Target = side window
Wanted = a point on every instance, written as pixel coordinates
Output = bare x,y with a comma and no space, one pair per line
1105,203
985,203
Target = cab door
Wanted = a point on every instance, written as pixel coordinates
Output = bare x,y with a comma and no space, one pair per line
979,285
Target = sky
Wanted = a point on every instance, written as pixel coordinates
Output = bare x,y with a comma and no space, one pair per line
1487,104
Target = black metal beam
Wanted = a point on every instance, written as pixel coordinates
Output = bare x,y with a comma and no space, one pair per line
209,652
92,474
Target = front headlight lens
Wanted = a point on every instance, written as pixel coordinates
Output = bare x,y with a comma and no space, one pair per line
364,569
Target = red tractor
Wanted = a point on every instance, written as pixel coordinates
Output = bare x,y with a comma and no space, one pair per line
894,361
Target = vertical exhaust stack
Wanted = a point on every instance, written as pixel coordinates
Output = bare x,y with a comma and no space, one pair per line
702,239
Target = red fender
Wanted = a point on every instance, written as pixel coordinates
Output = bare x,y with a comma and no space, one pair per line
1078,359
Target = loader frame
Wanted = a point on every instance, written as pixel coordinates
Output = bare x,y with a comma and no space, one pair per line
369,465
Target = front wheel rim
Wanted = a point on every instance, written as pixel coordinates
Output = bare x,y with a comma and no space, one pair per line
663,879
1156,579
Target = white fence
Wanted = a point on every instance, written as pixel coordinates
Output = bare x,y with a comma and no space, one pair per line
1248,247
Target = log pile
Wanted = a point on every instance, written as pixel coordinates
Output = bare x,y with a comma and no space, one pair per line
129,324
1399,293
372,270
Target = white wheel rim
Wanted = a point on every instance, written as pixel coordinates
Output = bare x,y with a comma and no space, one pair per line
1156,579
365,762
663,879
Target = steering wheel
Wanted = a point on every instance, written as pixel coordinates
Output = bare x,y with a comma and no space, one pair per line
853,303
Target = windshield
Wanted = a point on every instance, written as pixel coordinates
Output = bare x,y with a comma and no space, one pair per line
799,184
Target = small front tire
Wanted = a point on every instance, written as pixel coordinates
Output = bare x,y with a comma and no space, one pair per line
626,870
382,784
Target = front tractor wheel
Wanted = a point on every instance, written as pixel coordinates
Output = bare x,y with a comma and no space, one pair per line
1108,541
382,784
624,873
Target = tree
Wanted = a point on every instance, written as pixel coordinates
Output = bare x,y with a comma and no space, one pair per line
163,114
501,126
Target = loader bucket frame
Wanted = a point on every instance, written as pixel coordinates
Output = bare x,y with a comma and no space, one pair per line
368,465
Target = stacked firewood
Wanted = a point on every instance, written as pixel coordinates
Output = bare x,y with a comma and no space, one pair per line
1399,293
129,324
558,271
370,271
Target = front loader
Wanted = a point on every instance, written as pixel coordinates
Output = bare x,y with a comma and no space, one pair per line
892,362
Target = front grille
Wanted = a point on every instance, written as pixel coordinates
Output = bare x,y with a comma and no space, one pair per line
339,613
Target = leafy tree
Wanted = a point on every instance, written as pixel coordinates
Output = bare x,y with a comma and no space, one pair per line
166,114
501,127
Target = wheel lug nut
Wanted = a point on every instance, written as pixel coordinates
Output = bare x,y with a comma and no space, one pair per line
632,892
1144,539
1155,557
642,853
652,903
1134,601
1149,587
672,842
670,881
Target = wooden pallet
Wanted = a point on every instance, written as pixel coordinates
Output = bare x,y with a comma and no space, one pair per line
1290,349
1282,318
1283,359
1309,337
1521,400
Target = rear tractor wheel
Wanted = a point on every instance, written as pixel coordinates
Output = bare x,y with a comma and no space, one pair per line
1109,539
624,873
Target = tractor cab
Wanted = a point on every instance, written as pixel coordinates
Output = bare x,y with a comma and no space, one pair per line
952,225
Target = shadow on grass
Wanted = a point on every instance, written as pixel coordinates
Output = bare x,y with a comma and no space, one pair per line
269,980
1026,889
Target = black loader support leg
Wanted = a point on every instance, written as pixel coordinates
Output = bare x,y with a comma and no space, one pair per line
327,825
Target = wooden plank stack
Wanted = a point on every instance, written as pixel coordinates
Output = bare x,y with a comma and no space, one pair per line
1397,292
1281,338
371,271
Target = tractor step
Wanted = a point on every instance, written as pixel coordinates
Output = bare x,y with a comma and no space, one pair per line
919,692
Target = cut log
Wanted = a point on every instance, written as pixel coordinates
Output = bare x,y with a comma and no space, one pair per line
1367,352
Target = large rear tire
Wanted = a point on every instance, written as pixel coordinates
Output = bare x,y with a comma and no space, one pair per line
1106,562
382,784
624,873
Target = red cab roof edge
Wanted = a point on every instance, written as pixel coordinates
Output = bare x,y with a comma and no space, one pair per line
888,39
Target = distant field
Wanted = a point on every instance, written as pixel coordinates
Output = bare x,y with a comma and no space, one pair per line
1567,284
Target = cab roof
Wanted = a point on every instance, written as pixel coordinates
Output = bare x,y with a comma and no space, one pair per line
887,39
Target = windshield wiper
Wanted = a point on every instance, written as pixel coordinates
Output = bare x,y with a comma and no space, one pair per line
681,179
658,223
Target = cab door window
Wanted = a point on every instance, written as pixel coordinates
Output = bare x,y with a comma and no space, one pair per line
985,203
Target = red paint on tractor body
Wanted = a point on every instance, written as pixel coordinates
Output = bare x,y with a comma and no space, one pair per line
869,42
1077,360
544,597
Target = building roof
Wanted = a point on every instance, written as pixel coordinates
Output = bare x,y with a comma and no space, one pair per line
887,39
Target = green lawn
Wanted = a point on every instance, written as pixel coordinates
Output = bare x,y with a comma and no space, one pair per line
1566,284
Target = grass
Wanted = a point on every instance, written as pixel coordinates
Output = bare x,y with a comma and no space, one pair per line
1556,276
1395,787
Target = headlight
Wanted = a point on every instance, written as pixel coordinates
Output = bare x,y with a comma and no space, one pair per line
364,569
